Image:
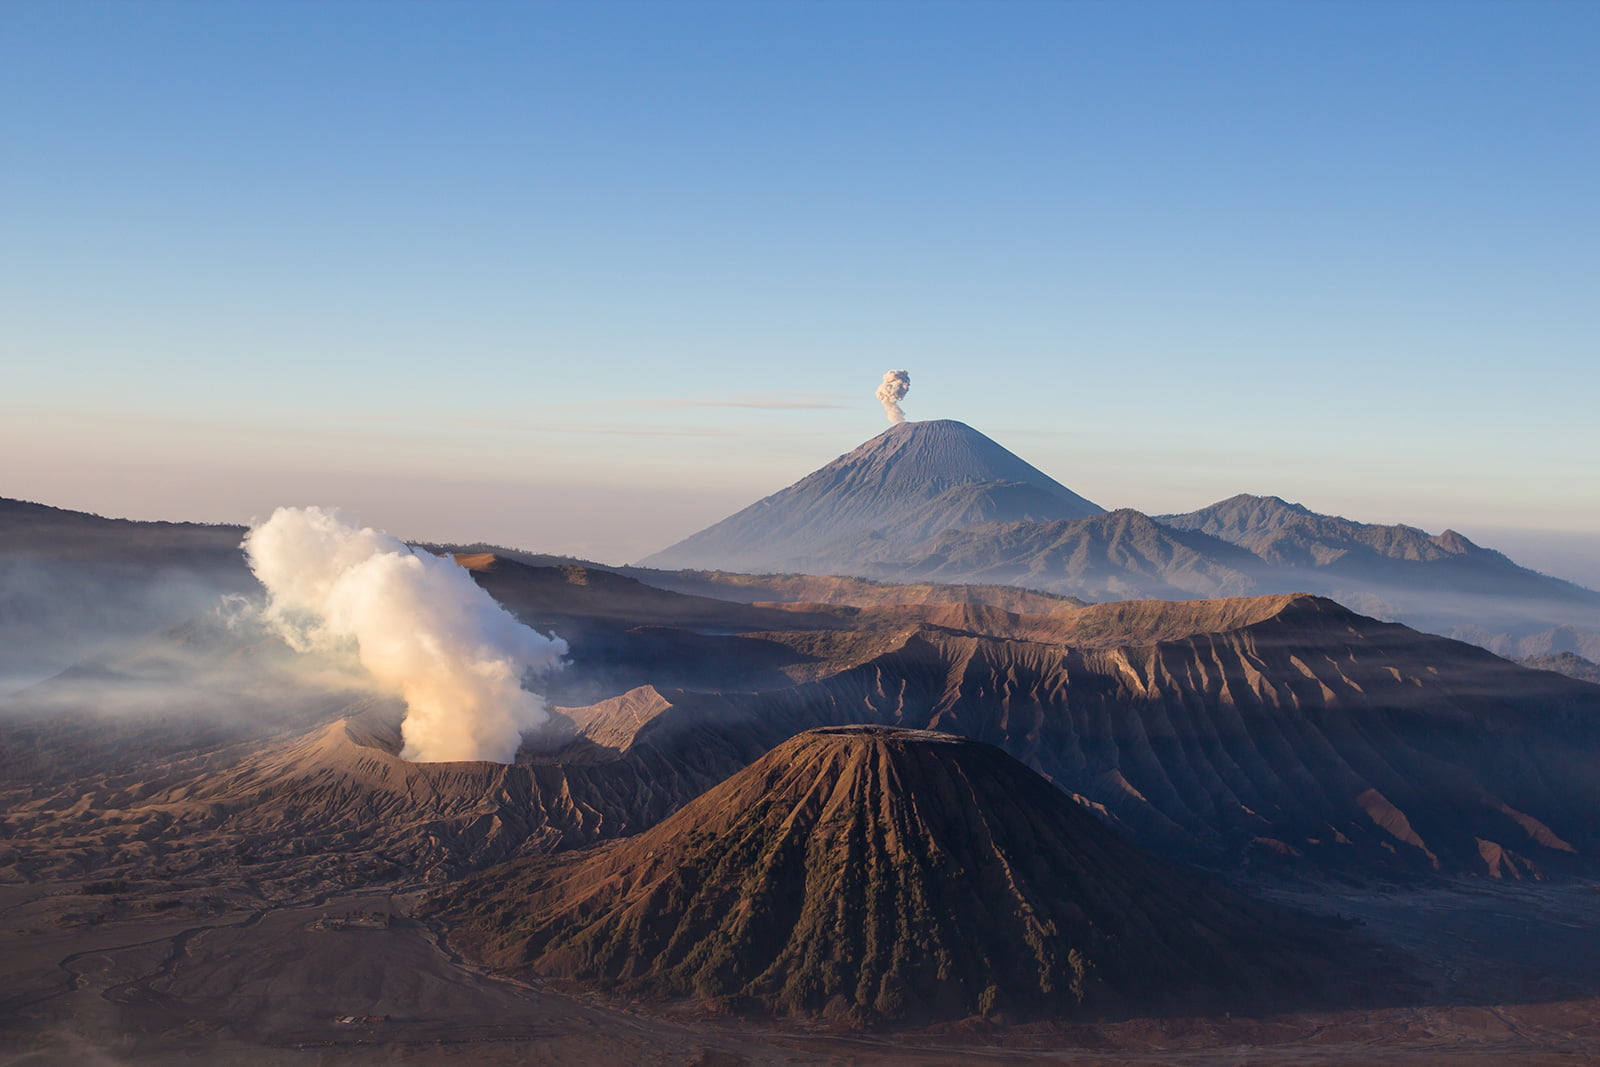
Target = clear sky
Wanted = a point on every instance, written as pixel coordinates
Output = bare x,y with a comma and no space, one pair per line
586,277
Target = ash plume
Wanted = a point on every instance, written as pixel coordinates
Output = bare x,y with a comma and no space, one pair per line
896,383
421,627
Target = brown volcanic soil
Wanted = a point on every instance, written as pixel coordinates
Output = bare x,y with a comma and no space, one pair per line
872,873
256,983
1303,737
591,595
1254,723
261,984
847,591
1121,622
1275,734
625,634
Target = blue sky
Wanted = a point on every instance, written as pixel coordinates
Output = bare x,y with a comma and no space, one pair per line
586,277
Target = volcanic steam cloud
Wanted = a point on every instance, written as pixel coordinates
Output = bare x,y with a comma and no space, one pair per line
421,626
896,384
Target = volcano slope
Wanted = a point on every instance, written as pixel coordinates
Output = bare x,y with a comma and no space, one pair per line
1258,732
909,483
938,501
1260,736
1274,734
1261,545
209,740
871,873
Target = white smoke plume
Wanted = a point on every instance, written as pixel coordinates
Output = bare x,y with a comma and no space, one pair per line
422,628
896,383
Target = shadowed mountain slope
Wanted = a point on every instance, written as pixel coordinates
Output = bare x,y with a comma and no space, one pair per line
623,633
873,873
1118,555
573,593
937,501
844,589
1293,732
44,533
1293,536
910,482
1276,732
1261,545
1443,583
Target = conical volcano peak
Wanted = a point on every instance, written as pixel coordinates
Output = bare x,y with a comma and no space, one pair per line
879,873
910,482
925,458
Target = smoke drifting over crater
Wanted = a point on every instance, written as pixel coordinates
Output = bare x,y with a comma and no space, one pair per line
421,627
896,384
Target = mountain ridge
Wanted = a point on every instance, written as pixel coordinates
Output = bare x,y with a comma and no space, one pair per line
1292,535
856,516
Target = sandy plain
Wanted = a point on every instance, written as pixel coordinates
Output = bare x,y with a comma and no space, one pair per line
1508,973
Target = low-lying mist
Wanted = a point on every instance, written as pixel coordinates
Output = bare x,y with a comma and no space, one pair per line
341,614
56,614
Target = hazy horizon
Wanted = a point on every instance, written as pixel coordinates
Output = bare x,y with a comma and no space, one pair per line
601,525
587,278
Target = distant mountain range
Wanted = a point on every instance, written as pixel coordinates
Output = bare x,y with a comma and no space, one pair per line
940,502
922,502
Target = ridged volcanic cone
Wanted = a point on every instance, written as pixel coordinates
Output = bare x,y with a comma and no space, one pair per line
874,873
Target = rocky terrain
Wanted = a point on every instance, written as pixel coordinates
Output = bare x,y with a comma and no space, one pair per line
178,814
1271,733
870,873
